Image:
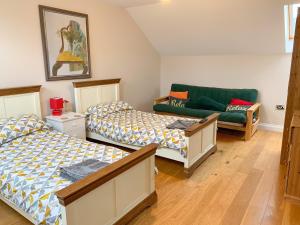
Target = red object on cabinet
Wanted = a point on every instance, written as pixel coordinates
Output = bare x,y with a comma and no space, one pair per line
56,104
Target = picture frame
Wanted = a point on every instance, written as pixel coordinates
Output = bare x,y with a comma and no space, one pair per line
66,46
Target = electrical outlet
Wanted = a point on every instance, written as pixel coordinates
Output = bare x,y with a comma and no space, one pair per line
280,107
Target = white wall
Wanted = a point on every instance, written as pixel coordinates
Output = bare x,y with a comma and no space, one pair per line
226,43
200,27
267,73
131,3
118,49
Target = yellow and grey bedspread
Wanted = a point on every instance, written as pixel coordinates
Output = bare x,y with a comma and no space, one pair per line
29,170
138,128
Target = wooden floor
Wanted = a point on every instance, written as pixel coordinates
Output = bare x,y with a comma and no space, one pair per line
240,184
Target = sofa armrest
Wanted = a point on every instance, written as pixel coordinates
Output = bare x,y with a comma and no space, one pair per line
250,126
161,99
190,131
251,111
254,108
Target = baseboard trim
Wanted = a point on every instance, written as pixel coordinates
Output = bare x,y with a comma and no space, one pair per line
270,127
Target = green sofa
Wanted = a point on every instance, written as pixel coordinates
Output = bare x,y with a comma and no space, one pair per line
231,120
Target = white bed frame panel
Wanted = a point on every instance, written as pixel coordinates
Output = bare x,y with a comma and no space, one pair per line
88,96
16,105
198,145
112,200
162,152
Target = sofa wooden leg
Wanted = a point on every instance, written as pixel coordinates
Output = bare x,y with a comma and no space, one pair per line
248,135
249,131
249,125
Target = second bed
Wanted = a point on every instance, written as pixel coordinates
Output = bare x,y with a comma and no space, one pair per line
113,121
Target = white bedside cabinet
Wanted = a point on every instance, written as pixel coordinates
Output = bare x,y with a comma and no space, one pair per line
69,123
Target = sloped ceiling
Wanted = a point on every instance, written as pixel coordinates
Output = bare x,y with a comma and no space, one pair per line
196,27
131,3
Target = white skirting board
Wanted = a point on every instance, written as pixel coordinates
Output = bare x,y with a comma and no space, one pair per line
270,127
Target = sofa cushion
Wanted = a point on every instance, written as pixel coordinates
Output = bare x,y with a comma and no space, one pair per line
177,102
222,95
179,94
201,113
182,111
237,108
206,103
237,101
233,117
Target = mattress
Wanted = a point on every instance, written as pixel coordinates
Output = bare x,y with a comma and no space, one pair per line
138,128
29,170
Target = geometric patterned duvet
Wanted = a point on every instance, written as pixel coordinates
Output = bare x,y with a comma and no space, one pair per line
29,168
139,129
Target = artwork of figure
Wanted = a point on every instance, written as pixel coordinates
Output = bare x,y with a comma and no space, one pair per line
66,45
73,50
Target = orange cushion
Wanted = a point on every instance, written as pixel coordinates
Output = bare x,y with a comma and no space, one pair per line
181,95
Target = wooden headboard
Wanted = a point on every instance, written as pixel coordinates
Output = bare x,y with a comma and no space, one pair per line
20,100
88,93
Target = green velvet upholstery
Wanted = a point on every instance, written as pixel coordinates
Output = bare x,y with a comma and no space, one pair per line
201,113
206,103
220,95
182,111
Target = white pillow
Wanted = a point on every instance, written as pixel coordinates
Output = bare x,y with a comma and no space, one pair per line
104,109
12,128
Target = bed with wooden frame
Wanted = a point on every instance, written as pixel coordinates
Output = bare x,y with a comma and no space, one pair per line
113,195
200,138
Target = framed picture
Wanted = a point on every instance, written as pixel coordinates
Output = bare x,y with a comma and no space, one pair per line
65,37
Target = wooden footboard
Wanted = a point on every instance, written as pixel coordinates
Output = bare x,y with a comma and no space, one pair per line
201,139
115,194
